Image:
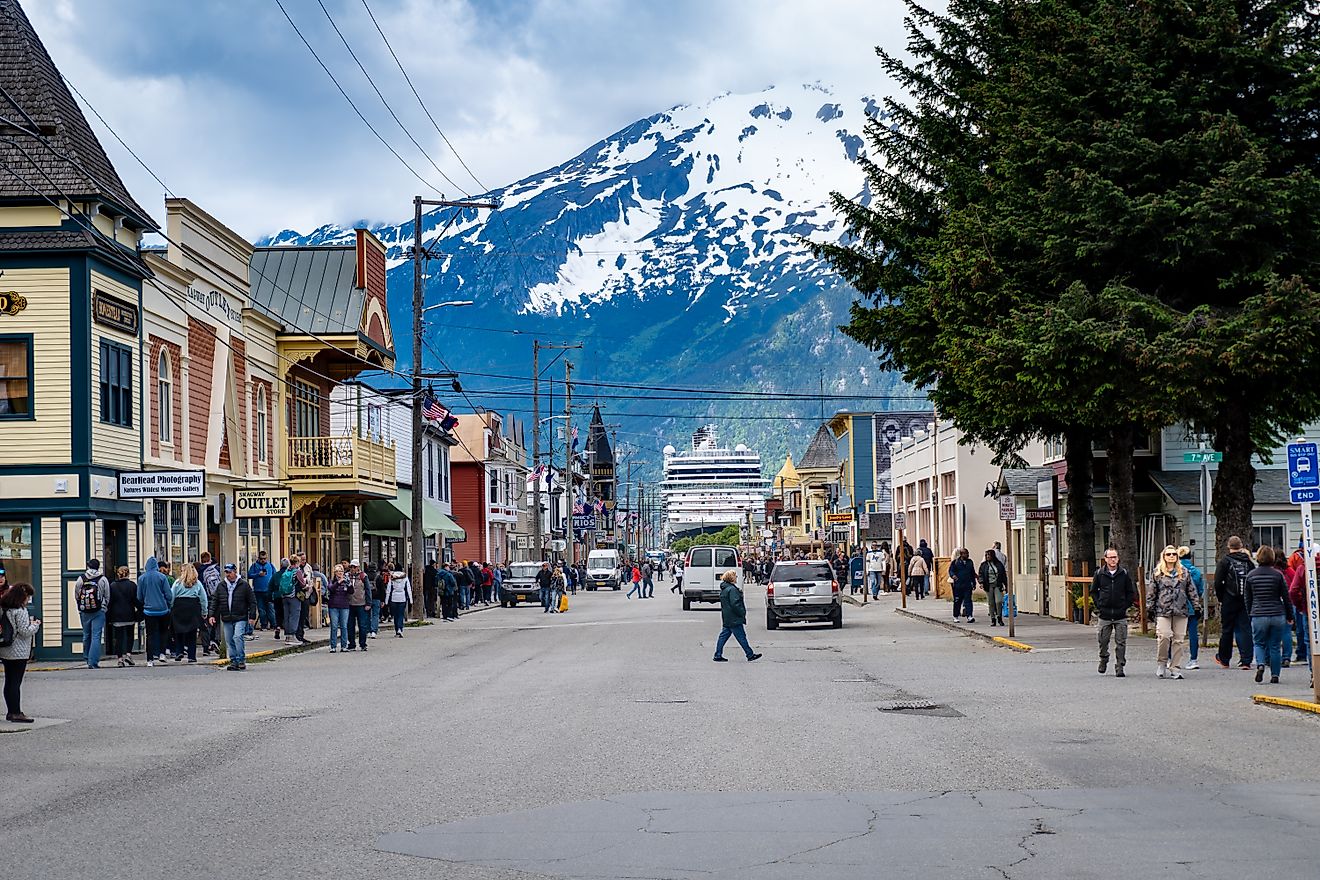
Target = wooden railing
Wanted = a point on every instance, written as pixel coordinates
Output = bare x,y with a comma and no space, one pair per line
348,458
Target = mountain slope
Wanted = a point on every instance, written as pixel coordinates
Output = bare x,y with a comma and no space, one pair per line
674,250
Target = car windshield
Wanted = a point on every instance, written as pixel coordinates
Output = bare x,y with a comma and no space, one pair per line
810,571
524,569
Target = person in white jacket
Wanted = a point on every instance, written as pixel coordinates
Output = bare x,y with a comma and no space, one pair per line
399,595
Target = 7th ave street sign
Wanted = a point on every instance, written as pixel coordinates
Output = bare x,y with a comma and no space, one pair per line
1203,457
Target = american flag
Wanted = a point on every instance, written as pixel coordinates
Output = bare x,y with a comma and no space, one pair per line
432,410
579,509
600,505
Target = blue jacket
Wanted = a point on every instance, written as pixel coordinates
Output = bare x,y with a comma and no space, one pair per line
153,591
259,577
963,572
1198,581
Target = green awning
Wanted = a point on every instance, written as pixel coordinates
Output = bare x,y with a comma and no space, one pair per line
385,518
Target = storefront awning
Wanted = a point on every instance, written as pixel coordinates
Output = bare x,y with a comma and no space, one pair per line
385,518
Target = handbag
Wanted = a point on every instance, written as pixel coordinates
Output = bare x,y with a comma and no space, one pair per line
1005,610
563,604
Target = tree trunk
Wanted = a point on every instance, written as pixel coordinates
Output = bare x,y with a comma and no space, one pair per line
1081,507
1235,484
1123,532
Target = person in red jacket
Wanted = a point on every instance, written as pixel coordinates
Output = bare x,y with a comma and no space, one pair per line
1301,620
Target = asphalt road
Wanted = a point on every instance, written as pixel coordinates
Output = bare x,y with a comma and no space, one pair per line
604,743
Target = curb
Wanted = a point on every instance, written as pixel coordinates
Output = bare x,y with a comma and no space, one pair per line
1020,647
1284,702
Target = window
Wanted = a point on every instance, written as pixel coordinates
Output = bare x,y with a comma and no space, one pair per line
430,470
494,486
444,472
306,410
263,453
116,384
194,531
254,535
16,550
15,379
1273,535
164,383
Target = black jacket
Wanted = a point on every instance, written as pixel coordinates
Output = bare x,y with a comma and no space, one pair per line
1267,594
983,575
545,579
1224,581
243,607
1113,594
123,606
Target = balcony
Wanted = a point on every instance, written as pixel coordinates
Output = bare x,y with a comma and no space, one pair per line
345,465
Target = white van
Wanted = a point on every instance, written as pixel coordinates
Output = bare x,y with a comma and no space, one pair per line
703,570
603,569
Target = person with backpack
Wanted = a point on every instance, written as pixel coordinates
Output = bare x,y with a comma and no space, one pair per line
448,593
1265,595
288,593
17,631
122,614
208,572
1193,616
155,598
188,612
1234,620
92,590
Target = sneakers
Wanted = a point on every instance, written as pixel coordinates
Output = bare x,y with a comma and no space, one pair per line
1159,670
1244,666
277,633
1104,665
753,657
721,659
1260,674
333,649
1191,664
371,635
971,620
192,659
1274,679
1175,674
1221,663
151,662
128,660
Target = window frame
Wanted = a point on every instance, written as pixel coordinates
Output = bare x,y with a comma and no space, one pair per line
31,414
262,424
110,390
165,403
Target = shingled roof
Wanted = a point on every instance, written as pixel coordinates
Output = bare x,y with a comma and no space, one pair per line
598,443
822,452
49,157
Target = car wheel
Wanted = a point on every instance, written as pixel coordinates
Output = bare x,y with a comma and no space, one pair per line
771,622
687,604
616,588
504,603
837,620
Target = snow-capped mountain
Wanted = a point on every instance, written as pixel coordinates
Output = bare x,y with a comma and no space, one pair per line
675,249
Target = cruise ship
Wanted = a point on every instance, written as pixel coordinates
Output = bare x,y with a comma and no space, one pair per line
711,485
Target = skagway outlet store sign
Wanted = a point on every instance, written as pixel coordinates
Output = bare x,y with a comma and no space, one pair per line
262,503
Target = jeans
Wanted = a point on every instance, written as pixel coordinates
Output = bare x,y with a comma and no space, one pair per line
874,578
265,610
546,593
93,631
339,627
361,615
1171,636
738,631
638,589
925,587
648,588
14,670
465,597
1193,637
292,617
398,610
1119,630
962,599
1234,623
186,643
121,639
1267,633
375,615
156,634
1303,642
235,646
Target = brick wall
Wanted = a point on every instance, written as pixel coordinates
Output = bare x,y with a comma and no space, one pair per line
201,354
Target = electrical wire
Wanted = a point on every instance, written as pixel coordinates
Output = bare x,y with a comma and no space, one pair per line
406,77
115,134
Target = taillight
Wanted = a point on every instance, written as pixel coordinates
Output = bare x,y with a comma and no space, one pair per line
770,590
834,586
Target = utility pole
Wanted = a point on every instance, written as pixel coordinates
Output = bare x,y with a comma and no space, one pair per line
418,561
570,534
538,534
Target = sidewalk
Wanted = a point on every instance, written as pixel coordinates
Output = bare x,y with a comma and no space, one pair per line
1036,634
262,648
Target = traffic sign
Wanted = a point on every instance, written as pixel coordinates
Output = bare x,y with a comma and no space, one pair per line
1205,456
900,520
1303,469
1304,496
1007,508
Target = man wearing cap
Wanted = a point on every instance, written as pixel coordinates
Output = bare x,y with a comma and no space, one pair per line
359,618
235,604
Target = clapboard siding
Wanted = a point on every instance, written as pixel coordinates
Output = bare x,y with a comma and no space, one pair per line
52,583
46,439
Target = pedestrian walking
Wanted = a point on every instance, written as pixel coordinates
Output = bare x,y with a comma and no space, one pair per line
305,581
430,589
288,593
188,612
92,592
1113,593
378,589
337,600
154,598
733,614
1265,595
1297,590
918,576
122,614
648,583
962,577
875,569
399,596
545,580
1281,566
19,630
635,578
359,604
1167,597
1193,616
235,606
924,551
678,580
1234,622
261,577
994,580
208,572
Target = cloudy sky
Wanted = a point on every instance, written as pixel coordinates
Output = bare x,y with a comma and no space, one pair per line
230,109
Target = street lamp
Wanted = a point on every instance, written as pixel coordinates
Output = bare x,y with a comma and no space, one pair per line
454,302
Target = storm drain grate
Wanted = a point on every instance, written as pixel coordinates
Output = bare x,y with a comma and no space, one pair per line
919,707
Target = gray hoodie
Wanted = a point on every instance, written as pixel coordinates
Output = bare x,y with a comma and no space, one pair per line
102,586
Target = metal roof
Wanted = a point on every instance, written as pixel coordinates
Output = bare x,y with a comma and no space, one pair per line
310,289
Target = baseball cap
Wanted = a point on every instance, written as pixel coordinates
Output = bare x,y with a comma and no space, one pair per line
355,564
229,566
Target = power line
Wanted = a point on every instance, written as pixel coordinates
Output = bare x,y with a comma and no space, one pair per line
386,103
122,143
483,186
735,394
364,119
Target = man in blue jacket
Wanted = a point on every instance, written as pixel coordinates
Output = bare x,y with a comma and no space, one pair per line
155,597
260,576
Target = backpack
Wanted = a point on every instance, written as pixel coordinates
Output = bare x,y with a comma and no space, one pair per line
211,580
89,597
6,630
286,583
1235,583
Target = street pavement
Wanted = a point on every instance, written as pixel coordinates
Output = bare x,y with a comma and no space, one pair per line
604,743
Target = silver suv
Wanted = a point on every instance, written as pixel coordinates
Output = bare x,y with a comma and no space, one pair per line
803,589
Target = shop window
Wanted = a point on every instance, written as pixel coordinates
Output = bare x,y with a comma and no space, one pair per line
16,551
15,377
160,530
116,384
254,535
164,386
194,516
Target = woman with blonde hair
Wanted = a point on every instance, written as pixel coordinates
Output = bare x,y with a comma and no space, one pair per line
188,612
1168,597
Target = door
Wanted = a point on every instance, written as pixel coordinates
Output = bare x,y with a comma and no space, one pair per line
115,532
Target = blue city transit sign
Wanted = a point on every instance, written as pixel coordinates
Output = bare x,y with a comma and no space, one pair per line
1303,472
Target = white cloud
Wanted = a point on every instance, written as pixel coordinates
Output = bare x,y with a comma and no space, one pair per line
226,104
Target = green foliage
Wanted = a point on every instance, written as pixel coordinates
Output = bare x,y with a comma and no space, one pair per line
729,535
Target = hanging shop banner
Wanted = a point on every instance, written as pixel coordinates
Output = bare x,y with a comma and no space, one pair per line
162,484
262,503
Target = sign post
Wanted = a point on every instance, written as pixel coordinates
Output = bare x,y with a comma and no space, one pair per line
1008,513
1304,489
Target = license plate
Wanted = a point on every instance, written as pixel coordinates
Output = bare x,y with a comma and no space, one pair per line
802,591
522,597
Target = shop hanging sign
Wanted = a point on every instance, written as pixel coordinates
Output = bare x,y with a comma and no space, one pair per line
12,302
162,484
113,312
838,518
263,503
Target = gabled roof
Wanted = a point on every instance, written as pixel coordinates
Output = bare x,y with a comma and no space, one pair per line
598,442
33,82
311,289
1022,481
822,452
1183,488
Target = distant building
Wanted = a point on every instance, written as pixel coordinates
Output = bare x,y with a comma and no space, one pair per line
490,488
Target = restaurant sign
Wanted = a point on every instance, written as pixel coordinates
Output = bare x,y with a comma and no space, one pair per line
114,312
12,302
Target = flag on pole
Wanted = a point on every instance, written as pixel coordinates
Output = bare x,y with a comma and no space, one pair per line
575,438
431,409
